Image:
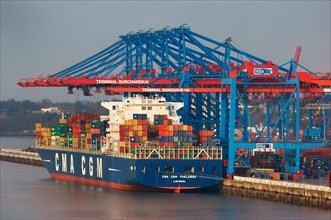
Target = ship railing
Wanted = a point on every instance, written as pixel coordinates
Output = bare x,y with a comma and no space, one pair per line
157,152
71,149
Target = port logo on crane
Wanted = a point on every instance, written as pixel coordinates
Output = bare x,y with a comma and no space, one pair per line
262,71
264,145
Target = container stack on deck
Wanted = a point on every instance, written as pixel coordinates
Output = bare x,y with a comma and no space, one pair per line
43,134
205,138
132,133
76,130
168,136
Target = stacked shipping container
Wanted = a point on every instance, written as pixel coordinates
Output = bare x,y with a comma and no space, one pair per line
205,138
43,134
88,132
76,130
133,132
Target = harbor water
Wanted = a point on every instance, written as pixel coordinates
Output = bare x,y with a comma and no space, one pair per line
28,192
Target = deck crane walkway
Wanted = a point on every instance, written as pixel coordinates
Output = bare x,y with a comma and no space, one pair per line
212,79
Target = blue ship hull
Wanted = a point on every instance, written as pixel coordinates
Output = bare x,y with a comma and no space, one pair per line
132,174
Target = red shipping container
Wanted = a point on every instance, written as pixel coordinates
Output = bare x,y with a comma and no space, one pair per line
75,135
134,145
122,132
163,133
76,130
95,131
163,127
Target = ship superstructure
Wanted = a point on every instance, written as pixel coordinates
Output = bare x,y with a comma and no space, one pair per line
129,107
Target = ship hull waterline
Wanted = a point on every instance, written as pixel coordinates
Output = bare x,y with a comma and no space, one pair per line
157,175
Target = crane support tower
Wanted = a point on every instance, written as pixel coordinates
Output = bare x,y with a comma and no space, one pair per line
248,102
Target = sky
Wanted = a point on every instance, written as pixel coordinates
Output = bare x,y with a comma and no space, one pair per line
45,37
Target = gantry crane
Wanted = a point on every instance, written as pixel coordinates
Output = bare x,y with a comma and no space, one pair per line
218,83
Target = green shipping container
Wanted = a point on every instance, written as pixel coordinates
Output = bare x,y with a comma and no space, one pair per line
95,147
63,135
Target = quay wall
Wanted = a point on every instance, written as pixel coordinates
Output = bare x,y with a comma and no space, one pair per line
281,191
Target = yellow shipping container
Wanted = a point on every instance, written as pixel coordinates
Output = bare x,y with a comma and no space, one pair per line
87,126
144,139
130,133
76,144
135,122
75,140
136,127
171,128
88,146
38,125
89,135
122,144
63,120
140,133
185,127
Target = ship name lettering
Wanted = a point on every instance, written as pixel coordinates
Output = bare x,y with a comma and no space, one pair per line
165,176
99,167
64,163
57,165
83,166
91,166
72,168
188,176
174,176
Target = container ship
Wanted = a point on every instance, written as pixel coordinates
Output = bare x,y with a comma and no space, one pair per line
141,145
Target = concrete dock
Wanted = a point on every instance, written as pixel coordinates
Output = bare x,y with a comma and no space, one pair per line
282,191
20,156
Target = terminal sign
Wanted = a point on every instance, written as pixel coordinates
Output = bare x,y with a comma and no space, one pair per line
264,146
